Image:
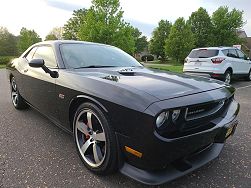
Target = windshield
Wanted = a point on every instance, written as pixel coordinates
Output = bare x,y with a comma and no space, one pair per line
203,53
82,55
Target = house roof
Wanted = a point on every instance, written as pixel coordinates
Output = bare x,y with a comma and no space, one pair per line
241,34
248,39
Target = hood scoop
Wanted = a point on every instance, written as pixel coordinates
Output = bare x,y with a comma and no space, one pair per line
127,72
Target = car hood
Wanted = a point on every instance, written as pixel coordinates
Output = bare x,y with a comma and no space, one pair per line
160,84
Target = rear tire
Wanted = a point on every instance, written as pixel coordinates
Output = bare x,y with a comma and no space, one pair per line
17,100
248,78
227,77
95,139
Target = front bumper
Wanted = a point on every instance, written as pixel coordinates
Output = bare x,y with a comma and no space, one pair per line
171,173
185,154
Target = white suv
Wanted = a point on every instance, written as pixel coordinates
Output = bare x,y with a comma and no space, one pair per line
222,63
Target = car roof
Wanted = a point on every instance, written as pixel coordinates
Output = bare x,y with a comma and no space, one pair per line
216,48
58,42
55,43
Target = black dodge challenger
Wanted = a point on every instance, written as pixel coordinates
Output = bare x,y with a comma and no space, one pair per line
150,125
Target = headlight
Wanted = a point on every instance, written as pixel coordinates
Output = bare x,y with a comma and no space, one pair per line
175,115
161,119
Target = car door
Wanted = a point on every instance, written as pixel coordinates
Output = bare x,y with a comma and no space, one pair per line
244,64
23,64
234,60
40,86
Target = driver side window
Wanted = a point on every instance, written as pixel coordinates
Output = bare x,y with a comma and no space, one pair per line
46,53
241,55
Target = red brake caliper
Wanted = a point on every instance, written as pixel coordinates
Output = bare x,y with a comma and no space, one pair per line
87,136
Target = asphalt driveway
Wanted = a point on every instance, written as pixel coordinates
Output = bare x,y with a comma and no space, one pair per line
36,153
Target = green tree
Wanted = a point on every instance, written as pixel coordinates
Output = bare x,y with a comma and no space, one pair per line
51,37
71,28
104,24
57,32
8,43
180,40
225,24
26,39
140,41
141,44
201,26
160,34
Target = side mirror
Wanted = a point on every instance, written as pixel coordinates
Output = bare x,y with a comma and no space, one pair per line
36,63
39,63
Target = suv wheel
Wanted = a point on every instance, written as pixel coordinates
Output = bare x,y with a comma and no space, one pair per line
227,77
249,76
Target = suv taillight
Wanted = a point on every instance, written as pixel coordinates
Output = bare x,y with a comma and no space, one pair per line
217,60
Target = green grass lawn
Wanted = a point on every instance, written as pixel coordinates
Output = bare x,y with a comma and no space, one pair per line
167,67
2,66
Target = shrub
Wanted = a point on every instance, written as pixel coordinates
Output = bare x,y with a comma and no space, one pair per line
149,57
5,59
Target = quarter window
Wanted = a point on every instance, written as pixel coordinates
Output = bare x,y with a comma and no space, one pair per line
225,52
30,54
46,53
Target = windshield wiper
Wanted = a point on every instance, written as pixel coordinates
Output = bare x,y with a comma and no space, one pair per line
94,66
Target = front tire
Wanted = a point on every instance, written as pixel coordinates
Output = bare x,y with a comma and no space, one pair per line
227,77
95,139
248,78
17,100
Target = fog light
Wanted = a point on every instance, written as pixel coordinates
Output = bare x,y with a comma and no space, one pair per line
161,119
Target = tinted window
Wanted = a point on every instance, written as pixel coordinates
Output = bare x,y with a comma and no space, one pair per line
241,54
225,52
30,54
232,53
203,53
84,55
46,53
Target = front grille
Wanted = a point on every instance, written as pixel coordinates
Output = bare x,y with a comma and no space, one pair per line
203,110
199,117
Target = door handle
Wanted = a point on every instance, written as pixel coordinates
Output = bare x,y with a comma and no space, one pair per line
26,70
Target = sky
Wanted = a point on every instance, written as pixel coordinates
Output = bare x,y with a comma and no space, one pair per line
43,15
